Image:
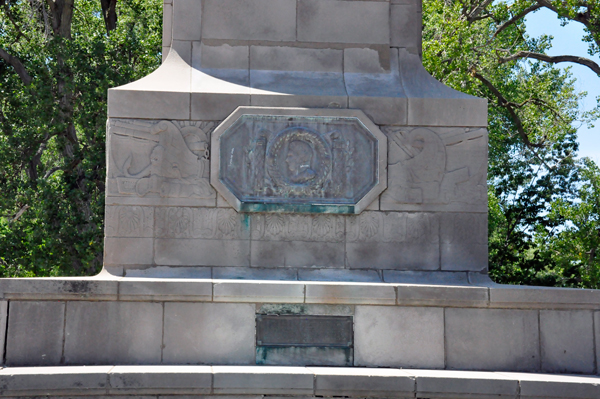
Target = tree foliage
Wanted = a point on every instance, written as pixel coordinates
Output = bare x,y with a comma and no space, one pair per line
536,182
60,57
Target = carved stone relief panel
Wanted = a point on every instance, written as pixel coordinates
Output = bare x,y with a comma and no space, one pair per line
298,160
159,163
393,227
129,221
203,223
290,227
436,169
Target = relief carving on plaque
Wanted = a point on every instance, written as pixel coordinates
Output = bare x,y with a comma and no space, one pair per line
298,160
445,166
164,159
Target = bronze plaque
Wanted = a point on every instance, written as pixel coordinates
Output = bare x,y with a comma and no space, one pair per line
301,330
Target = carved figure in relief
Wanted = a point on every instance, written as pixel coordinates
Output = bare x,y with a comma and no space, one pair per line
423,157
176,163
298,162
254,174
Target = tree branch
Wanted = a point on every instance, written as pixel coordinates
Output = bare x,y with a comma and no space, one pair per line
477,10
510,107
51,172
516,18
553,59
21,212
17,65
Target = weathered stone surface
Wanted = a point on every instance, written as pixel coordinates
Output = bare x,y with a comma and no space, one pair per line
273,20
208,333
450,295
262,380
187,20
567,341
597,338
436,169
170,272
199,252
113,333
429,278
492,339
464,241
546,386
399,337
350,293
260,291
35,333
393,240
22,381
128,251
431,383
362,382
297,254
297,160
320,21
356,276
3,320
406,26
296,59
149,289
152,162
153,379
253,273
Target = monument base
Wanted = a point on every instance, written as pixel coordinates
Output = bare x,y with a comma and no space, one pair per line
252,382
105,320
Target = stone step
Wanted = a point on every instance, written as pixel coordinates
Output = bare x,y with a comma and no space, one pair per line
255,381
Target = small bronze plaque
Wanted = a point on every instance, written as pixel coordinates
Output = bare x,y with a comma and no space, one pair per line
301,330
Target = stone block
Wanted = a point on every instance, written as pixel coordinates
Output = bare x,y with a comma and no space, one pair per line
262,380
199,252
543,297
567,341
209,333
3,319
296,59
153,289
405,26
128,221
298,89
401,256
393,240
297,254
492,339
60,381
547,386
128,251
362,382
245,273
399,337
442,295
445,383
54,288
170,272
113,333
597,339
187,20
167,33
216,105
356,276
464,241
258,291
430,278
222,56
272,20
160,379
343,22
437,169
432,103
350,293
35,333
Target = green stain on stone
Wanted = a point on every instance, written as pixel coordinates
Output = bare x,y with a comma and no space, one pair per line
296,208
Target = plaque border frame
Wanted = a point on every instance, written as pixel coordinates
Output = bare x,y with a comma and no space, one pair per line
355,209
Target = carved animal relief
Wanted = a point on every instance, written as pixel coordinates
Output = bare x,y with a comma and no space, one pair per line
158,160
293,160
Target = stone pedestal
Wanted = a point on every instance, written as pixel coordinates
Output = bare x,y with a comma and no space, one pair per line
295,207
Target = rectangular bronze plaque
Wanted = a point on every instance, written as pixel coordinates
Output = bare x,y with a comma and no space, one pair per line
301,330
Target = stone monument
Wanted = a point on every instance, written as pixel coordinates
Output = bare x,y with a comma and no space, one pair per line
295,207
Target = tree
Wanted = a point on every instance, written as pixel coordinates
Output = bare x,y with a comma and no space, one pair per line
482,49
58,59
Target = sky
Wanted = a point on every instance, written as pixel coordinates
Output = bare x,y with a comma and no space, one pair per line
567,41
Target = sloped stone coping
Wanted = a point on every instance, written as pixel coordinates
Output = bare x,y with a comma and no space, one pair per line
243,381
310,292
